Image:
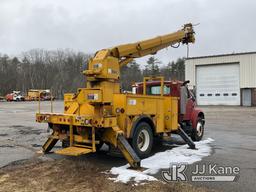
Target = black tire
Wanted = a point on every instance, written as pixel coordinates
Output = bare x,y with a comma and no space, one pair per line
65,143
198,132
98,146
142,148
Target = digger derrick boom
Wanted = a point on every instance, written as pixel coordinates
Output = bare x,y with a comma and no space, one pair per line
92,115
123,54
151,46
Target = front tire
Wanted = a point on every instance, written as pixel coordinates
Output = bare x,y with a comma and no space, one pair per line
142,140
198,131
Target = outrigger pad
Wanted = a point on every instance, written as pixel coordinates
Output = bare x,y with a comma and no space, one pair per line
128,152
51,141
73,151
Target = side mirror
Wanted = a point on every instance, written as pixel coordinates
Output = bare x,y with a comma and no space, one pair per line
185,83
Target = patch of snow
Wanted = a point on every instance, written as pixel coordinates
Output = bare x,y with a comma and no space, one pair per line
162,160
124,174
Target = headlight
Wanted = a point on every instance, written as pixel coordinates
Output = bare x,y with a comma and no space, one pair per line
120,110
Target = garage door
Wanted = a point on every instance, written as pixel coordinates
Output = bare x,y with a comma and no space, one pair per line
218,84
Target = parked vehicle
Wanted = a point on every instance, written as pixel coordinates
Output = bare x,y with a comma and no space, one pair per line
15,96
100,113
2,98
35,94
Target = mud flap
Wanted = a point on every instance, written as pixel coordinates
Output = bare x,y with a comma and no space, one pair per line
186,138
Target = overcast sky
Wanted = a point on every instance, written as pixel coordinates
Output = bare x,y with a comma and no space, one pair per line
226,26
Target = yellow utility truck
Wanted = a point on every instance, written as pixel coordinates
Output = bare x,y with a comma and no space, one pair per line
36,94
100,113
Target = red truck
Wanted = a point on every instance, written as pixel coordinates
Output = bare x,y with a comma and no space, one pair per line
15,96
191,118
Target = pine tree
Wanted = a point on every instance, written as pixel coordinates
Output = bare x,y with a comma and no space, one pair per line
152,68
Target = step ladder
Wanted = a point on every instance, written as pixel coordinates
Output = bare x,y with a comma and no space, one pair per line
75,149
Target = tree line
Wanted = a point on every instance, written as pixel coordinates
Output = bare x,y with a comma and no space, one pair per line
132,72
61,71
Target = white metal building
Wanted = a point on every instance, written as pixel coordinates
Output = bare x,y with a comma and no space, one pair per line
223,79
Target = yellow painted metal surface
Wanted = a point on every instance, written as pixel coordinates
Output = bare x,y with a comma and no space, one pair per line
101,105
162,109
158,78
72,108
33,93
89,95
83,139
51,141
73,151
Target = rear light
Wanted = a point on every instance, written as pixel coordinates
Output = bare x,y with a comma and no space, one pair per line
42,118
87,121
118,110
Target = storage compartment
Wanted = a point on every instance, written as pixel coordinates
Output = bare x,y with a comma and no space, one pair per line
163,110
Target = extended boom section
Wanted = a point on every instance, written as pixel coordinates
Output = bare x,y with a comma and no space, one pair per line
151,46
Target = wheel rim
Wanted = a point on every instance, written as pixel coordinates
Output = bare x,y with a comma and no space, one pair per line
199,128
143,140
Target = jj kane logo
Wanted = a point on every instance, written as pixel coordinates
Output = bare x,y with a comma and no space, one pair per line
201,172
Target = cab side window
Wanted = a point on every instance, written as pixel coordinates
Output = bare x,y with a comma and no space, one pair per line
156,90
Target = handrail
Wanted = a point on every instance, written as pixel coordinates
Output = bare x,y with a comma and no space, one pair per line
39,102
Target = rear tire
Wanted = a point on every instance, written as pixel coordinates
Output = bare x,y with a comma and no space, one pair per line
198,131
142,140
65,143
98,146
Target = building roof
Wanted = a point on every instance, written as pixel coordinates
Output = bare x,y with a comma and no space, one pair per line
222,55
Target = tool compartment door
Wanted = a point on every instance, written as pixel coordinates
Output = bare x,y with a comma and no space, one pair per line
147,105
171,113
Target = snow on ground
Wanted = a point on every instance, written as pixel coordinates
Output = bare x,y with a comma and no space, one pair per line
162,160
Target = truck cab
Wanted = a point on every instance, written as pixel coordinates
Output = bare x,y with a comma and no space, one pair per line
190,117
